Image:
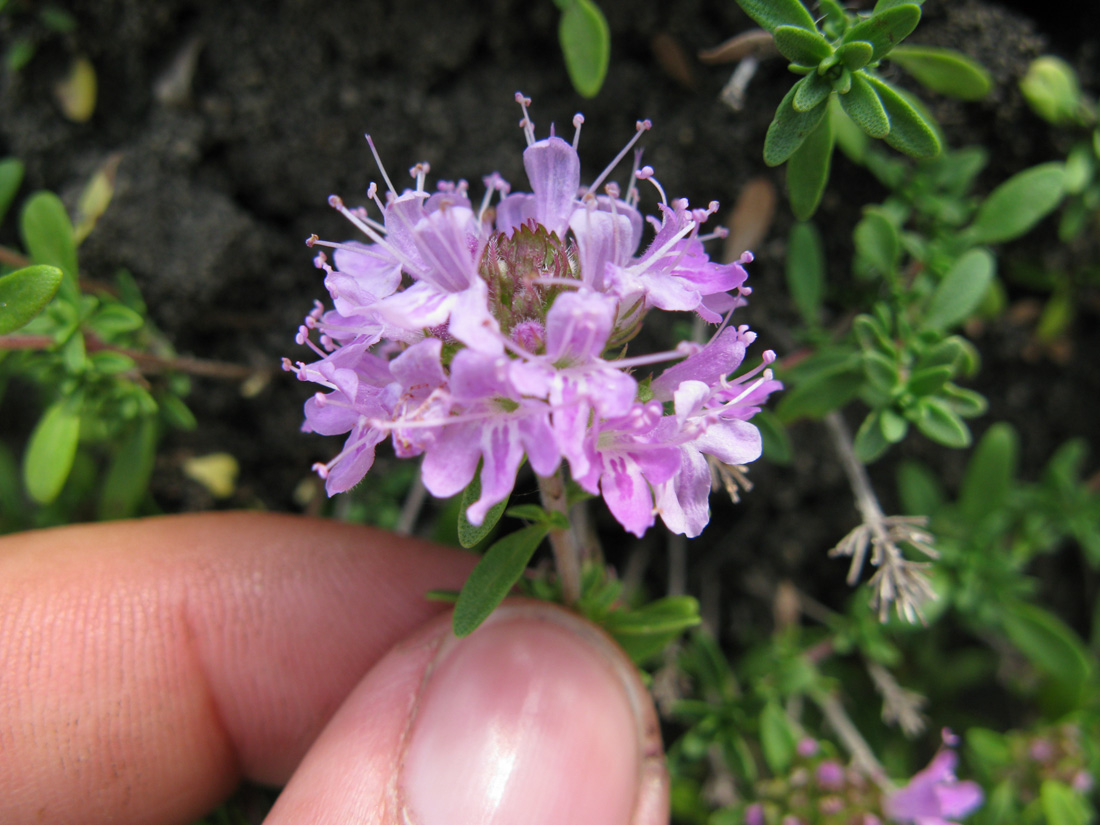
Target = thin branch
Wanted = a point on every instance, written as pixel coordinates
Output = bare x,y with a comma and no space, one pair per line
146,362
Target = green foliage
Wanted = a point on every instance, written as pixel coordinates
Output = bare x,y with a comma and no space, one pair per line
78,354
838,58
585,43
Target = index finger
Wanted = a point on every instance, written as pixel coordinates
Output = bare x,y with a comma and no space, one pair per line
146,666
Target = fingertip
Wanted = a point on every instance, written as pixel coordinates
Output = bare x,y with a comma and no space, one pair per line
536,717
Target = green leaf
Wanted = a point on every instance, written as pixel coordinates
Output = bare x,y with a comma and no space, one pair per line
961,290
882,373
863,106
586,45
885,28
803,46
855,55
919,489
823,393
529,512
25,293
113,320
470,535
810,92
776,738
1052,90
883,5
808,169
777,447
1018,204
1062,805
48,237
945,71
644,632
966,403
771,14
910,132
1052,647
176,414
870,441
1080,168
108,362
11,175
128,475
928,381
852,140
990,474
894,426
494,576
942,424
789,129
806,270
19,53
877,241
51,450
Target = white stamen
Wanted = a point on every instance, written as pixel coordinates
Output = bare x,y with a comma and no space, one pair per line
640,126
381,168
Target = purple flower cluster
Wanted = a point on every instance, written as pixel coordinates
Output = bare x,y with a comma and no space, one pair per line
481,334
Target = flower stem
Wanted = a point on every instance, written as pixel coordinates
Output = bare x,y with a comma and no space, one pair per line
567,557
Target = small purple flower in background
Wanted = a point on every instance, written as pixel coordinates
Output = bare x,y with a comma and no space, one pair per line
476,336
934,796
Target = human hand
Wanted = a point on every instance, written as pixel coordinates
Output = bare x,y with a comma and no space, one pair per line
146,667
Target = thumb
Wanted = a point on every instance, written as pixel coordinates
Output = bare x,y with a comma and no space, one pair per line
537,717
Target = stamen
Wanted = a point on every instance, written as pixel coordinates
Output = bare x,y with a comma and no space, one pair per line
336,203
578,119
639,127
646,173
683,350
632,191
526,123
419,172
381,168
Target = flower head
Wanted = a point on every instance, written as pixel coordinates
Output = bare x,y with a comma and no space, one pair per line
934,796
478,335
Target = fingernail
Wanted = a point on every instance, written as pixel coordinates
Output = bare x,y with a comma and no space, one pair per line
534,718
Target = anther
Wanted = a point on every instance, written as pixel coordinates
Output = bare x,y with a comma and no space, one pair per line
578,119
311,240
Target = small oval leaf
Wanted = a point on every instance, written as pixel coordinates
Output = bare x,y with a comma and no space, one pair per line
51,450
945,71
1019,203
886,28
808,169
863,106
806,270
771,14
494,576
586,44
909,132
48,236
11,175
961,289
25,293
802,46
789,128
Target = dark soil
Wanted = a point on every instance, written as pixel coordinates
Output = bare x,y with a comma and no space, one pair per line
226,168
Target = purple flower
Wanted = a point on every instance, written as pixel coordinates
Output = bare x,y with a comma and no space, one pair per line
934,796
475,335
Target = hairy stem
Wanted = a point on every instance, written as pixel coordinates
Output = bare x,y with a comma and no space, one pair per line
567,555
